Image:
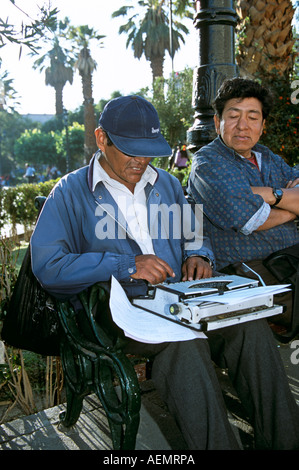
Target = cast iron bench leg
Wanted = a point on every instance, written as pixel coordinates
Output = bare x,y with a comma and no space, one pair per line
92,367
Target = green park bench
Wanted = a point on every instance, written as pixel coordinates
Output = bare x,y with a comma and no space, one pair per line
92,361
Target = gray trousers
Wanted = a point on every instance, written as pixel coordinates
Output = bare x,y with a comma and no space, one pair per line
184,375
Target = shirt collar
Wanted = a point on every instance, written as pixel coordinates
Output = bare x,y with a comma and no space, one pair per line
258,155
100,175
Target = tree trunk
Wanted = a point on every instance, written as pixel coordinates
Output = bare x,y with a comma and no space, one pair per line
266,40
90,146
157,67
59,99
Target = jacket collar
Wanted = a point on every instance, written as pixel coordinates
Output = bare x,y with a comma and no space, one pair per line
91,171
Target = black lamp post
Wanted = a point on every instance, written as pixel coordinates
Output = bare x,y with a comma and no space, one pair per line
215,21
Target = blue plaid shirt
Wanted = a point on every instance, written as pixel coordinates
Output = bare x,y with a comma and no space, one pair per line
221,181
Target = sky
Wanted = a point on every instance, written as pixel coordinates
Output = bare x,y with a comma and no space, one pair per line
117,69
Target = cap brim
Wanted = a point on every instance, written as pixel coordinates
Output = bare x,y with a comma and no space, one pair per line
138,147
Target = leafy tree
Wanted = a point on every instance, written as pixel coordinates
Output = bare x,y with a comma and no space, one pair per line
8,95
81,36
12,125
31,30
281,132
173,100
148,33
54,124
102,103
36,148
182,8
75,145
174,106
77,115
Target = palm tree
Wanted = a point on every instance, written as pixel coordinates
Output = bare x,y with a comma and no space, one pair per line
266,42
31,30
182,8
85,64
9,98
149,34
58,73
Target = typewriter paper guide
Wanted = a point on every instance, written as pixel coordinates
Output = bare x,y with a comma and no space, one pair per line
200,308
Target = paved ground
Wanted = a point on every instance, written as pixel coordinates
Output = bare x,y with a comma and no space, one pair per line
42,431
157,430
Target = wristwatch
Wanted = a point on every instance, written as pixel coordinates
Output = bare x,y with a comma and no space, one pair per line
205,258
278,193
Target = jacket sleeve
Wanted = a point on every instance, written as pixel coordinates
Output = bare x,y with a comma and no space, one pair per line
57,258
195,242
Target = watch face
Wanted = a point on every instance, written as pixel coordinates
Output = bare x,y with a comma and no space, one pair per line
278,193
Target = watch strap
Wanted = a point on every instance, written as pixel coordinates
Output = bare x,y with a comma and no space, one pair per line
278,194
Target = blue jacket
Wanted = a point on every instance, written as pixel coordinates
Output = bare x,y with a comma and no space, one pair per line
221,181
69,249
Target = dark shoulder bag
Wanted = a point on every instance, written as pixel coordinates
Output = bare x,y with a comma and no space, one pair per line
31,321
283,264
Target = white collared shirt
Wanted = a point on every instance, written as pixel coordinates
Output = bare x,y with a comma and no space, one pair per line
132,205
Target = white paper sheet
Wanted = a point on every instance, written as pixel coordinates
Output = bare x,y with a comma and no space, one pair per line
235,296
144,326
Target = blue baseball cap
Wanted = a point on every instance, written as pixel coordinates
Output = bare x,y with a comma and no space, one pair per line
133,125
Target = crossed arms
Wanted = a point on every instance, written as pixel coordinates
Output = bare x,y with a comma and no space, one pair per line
286,210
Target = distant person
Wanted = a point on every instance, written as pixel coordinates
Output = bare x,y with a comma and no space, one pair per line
53,173
29,173
41,178
181,158
12,177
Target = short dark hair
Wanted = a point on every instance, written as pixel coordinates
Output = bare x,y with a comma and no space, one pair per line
242,88
109,141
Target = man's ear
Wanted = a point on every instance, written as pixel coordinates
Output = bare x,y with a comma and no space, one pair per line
263,126
217,123
100,138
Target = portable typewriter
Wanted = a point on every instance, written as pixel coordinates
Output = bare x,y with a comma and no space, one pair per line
188,302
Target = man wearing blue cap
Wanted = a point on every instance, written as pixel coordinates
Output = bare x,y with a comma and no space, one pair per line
76,253
99,222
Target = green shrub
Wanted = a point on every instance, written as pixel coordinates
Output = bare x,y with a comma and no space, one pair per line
17,203
281,133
